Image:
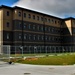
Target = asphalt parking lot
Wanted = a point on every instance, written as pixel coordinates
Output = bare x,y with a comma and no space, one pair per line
25,69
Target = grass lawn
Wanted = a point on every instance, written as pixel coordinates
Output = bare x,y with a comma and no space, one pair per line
63,59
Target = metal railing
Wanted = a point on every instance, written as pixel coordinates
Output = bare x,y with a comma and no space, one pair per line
6,52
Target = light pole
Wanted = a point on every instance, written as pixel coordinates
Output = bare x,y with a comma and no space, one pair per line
22,50
35,48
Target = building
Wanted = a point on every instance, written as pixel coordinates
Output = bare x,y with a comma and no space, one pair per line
31,29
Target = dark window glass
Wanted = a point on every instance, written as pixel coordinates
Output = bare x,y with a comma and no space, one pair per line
24,25
29,37
7,36
41,18
24,14
33,27
41,28
58,22
19,13
45,28
48,20
25,36
19,24
34,37
52,21
7,24
7,13
45,19
29,26
55,22
37,17
19,36
33,16
29,16
38,27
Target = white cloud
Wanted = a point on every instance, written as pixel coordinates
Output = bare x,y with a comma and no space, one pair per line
52,7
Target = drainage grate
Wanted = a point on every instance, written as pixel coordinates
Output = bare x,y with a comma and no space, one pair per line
51,68
27,73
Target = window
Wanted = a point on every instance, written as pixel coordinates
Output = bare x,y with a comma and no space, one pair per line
7,24
49,20
19,14
29,26
42,37
58,22
45,28
49,38
33,27
49,29
25,36
29,16
41,18
37,17
52,38
41,28
7,13
29,36
19,36
7,36
33,16
19,24
46,38
55,38
45,19
38,37
55,22
52,21
38,27
58,30
34,37
24,14
24,25
52,29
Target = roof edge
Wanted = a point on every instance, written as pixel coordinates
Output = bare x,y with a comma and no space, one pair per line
17,7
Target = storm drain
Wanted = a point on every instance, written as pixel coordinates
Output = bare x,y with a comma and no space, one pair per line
51,68
27,73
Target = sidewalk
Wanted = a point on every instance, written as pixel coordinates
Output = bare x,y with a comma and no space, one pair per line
24,69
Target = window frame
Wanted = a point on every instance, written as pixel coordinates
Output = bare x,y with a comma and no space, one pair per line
29,16
19,14
34,17
24,14
8,14
8,36
7,24
20,36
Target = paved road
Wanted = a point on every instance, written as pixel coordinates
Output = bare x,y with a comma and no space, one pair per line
24,69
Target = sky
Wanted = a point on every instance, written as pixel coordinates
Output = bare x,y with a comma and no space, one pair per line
59,8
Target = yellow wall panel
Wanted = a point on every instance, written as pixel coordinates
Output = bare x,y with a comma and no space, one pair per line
68,25
52,21
5,26
5,14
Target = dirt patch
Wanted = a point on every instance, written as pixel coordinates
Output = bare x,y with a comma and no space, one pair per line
29,59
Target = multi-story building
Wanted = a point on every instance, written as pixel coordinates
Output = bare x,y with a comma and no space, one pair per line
28,28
